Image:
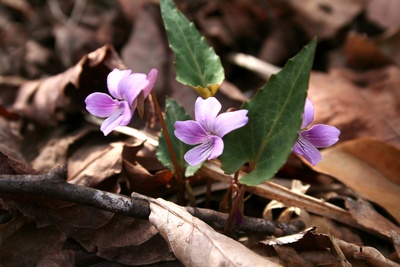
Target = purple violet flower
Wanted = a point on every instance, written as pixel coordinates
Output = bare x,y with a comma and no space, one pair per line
125,86
318,136
208,129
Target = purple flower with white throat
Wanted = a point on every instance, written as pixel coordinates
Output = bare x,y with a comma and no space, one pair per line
125,87
208,129
318,136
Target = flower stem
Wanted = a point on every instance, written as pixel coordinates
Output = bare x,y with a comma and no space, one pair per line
177,170
235,208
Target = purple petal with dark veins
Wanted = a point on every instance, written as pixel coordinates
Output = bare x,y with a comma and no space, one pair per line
304,148
190,132
321,135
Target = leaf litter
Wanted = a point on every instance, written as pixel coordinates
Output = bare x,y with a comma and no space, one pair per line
358,93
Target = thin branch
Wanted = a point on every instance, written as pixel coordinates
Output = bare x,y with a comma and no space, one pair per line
53,185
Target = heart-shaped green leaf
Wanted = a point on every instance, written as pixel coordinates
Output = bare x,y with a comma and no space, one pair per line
275,116
196,63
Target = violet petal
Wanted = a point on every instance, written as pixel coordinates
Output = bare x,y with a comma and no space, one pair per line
101,105
152,77
229,121
130,87
121,116
113,80
199,153
308,115
218,147
321,135
304,148
190,132
206,110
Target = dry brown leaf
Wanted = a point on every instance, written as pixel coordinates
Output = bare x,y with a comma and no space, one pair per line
10,165
286,215
47,100
138,176
95,162
113,237
10,140
88,27
55,151
369,167
367,217
309,246
29,244
384,13
396,243
195,243
324,18
363,104
363,53
145,48
367,254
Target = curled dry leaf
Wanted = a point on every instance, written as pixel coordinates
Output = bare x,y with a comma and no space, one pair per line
286,215
369,167
10,165
195,243
318,249
55,151
138,163
46,101
95,162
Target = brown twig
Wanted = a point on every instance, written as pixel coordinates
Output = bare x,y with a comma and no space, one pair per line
53,185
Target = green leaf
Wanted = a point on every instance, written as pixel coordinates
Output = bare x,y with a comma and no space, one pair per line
275,116
196,63
174,112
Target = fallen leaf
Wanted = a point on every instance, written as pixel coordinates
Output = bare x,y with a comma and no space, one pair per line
29,244
364,53
10,165
48,101
10,140
195,243
287,213
55,151
384,13
369,167
113,237
360,104
325,18
366,216
95,162
145,48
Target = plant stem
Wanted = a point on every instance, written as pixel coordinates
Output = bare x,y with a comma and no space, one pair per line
177,170
235,207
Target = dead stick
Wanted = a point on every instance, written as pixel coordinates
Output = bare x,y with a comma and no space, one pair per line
53,185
